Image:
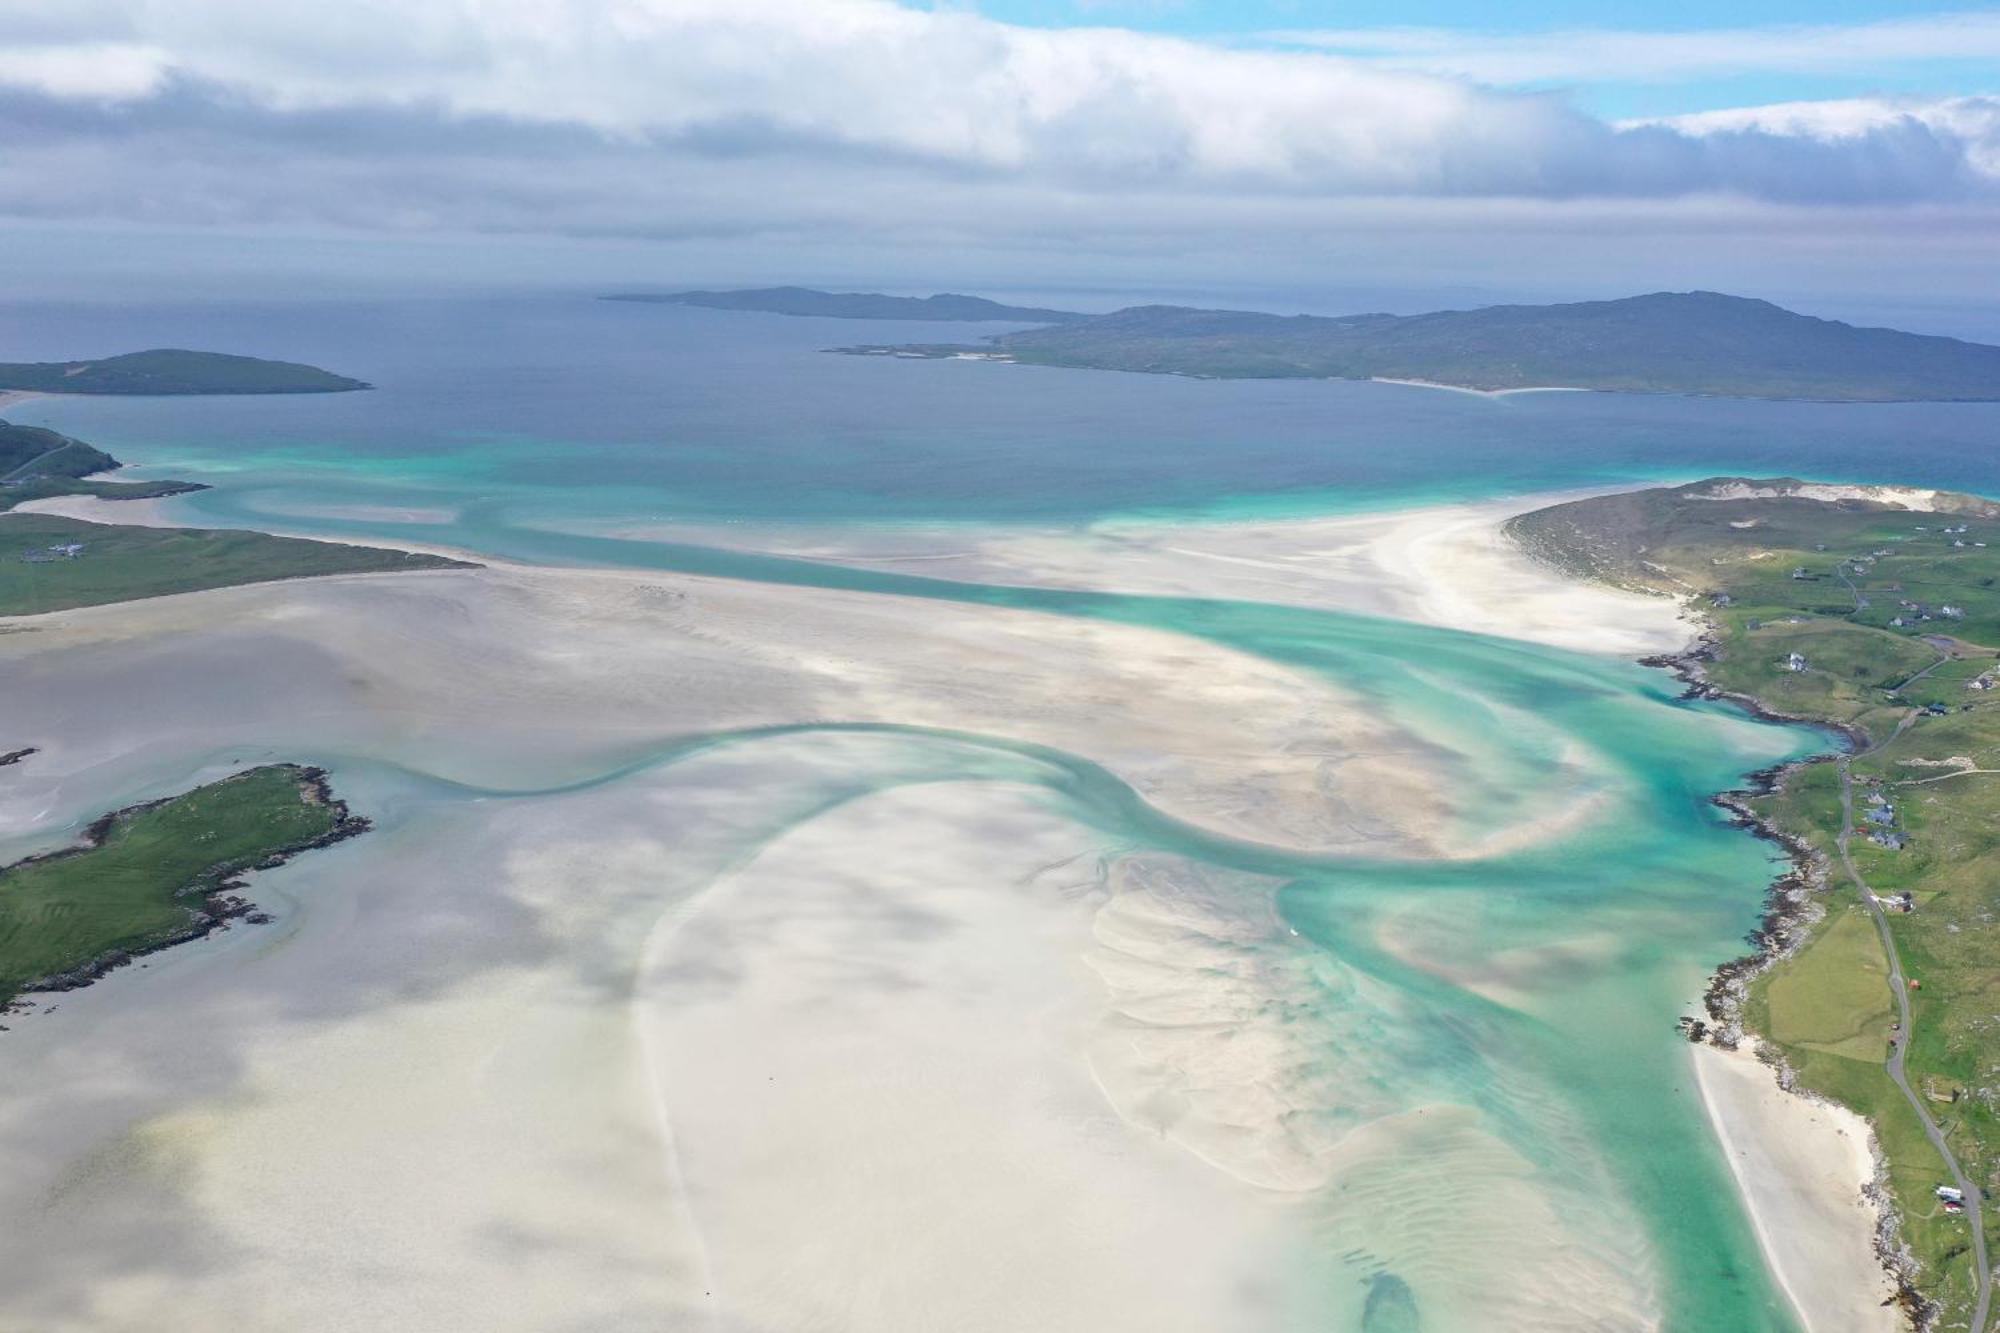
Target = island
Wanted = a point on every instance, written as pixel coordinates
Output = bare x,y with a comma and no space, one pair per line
157,874
1874,612
1703,343
943,307
172,371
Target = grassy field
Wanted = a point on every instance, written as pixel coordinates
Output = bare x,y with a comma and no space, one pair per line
43,488
154,874
119,564
1830,582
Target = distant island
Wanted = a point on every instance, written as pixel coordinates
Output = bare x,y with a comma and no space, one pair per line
946,306
1702,343
172,371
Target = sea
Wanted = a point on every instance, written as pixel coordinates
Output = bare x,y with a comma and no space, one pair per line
1548,980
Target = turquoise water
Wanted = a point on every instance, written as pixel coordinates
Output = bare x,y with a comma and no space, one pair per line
1537,987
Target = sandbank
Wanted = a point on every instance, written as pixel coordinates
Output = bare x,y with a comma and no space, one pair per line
810,1029
1448,565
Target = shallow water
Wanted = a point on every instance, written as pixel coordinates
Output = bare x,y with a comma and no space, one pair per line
1523,1001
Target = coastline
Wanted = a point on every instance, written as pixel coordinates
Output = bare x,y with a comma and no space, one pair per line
1809,1171
1480,393
9,397
1440,565
1795,1160
214,907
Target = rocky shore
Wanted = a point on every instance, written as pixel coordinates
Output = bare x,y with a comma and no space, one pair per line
1793,905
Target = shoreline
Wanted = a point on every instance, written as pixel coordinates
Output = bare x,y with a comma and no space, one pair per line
1782,1121
1480,393
209,911
1436,565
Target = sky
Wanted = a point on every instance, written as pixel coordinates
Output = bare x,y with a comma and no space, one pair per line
1303,152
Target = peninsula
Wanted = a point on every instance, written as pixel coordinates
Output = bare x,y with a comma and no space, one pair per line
172,371
1875,611
1702,343
945,306
57,562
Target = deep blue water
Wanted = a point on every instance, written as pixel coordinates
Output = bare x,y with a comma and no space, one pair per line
569,407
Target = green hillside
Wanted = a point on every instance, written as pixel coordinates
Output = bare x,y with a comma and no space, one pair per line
173,371
1668,342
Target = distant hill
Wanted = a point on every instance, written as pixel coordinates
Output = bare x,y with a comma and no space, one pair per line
173,371
945,306
1668,342
28,452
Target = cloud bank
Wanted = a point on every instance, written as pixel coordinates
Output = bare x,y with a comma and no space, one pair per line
1593,55
709,117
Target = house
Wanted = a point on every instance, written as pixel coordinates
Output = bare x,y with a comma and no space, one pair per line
1894,842
1897,623
1881,814
1935,710
1952,612
1794,662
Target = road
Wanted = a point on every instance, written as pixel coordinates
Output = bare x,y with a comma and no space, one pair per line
1973,1213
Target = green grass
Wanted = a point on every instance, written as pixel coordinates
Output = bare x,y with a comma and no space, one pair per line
146,880
1827,1007
1836,998
44,488
119,564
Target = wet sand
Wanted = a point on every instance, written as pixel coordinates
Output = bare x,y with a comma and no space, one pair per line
1448,565
815,1030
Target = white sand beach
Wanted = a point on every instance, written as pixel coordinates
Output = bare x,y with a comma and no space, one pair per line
814,1029
1802,1165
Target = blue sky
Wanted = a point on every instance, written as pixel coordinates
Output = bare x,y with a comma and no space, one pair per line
1607,91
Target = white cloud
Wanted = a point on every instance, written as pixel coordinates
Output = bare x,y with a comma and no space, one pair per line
109,71
1596,55
712,117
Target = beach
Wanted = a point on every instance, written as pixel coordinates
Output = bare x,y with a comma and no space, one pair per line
1802,1165
744,956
